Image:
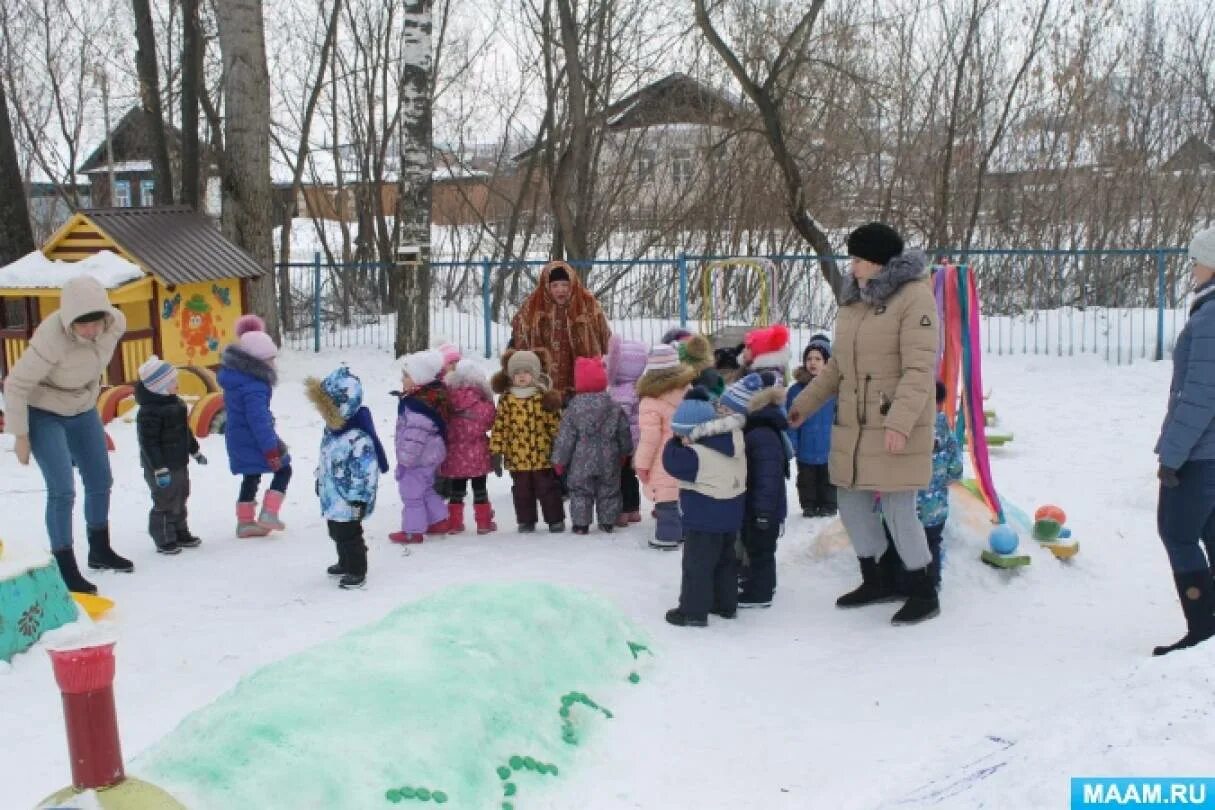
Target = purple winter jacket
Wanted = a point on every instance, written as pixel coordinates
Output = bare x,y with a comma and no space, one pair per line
419,442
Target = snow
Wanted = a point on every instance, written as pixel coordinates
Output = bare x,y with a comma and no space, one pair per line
1025,679
34,270
123,166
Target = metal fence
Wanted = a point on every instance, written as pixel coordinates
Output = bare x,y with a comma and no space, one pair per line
1120,304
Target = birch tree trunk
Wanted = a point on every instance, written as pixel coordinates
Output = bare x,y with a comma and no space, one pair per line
16,236
149,100
247,212
413,203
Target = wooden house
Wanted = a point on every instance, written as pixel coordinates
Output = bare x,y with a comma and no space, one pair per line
194,286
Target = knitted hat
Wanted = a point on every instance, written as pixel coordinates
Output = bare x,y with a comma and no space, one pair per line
711,381
590,376
1202,248
524,361
738,396
769,346
661,357
696,352
875,243
625,360
675,334
157,376
424,367
252,338
819,343
558,273
727,359
696,409
449,351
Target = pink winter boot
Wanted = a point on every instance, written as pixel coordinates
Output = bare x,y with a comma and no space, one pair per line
271,504
484,513
246,525
405,538
455,518
439,527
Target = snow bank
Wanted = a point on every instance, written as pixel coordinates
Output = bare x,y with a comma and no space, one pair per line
36,270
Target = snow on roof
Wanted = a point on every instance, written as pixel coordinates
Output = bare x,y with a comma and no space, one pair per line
35,270
123,166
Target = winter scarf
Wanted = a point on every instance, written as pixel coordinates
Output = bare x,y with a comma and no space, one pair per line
362,421
907,266
430,401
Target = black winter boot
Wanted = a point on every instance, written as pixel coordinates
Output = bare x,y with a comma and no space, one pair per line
187,540
355,559
680,619
338,568
922,602
1197,594
102,557
877,584
71,573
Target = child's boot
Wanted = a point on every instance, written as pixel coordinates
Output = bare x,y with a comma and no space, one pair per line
405,538
271,505
484,514
455,518
185,539
356,562
246,523
439,527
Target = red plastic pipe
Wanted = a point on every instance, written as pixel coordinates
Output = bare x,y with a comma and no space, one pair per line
86,680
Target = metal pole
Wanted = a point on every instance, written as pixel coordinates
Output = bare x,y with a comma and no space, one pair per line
1161,260
486,315
683,290
316,302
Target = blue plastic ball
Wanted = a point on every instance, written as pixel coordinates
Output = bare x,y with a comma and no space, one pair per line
1003,539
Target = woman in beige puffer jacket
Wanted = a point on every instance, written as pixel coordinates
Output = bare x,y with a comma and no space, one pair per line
883,375
51,393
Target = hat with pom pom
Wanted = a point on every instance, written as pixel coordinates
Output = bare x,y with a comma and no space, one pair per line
769,347
252,338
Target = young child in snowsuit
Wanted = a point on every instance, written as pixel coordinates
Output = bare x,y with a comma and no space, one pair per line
347,471
451,356
468,457
661,389
812,441
760,399
165,447
529,415
421,446
248,377
932,504
593,443
625,363
708,458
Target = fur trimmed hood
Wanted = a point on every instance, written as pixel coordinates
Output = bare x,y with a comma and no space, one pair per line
327,408
468,374
696,352
772,395
801,376
656,382
908,266
717,427
500,381
240,360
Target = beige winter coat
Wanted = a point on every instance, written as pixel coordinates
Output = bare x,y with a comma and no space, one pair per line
59,372
882,370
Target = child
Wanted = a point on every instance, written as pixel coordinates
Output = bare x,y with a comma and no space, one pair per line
625,363
347,471
248,378
932,504
812,441
761,401
451,356
165,447
421,445
593,443
529,415
661,389
468,457
767,349
709,460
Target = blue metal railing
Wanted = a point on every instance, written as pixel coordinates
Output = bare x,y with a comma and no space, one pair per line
1119,302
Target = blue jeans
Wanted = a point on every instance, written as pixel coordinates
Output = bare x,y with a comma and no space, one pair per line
1185,516
58,443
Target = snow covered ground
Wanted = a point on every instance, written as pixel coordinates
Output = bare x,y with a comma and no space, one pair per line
1024,680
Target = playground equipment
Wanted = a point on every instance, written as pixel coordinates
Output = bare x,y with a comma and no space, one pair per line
713,276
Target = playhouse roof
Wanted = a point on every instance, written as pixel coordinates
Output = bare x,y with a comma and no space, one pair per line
34,270
174,243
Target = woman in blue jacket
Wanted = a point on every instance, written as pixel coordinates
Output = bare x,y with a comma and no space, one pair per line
812,440
1185,513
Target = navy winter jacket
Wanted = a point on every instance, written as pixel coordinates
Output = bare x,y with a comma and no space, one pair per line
811,441
700,512
767,463
249,434
1189,426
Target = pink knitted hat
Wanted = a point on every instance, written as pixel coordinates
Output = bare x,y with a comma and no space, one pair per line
252,337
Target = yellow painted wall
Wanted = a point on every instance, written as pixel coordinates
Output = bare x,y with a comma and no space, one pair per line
138,316
196,321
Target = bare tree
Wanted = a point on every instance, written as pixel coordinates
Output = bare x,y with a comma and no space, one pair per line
149,99
192,47
16,237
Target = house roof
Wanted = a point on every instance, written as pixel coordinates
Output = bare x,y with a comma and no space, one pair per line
175,243
1194,154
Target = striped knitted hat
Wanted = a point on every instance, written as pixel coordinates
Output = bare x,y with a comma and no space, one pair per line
157,376
738,396
661,357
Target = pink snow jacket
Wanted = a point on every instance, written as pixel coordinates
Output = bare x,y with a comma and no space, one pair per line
654,421
472,415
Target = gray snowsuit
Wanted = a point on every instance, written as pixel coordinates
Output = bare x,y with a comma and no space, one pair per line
592,441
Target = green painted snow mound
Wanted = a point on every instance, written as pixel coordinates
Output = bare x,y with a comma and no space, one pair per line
440,693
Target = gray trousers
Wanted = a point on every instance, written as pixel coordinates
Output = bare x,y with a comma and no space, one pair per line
168,516
863,521
600,495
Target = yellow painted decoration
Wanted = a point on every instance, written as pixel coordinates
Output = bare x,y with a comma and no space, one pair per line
94,605
196,321
107,403
129,794
203,414
196,381
125,406
1062,551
